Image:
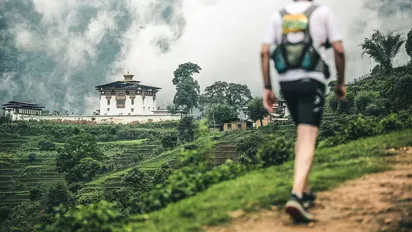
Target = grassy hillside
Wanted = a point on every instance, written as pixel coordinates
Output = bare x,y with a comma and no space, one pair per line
271,186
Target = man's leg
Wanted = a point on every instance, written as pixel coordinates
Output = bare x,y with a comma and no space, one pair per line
305,150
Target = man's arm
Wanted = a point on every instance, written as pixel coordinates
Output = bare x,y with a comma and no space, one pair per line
265,65
339,61
336,40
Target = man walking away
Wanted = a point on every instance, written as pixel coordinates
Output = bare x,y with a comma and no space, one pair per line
301,32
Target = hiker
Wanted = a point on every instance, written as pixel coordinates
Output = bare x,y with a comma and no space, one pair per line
300,33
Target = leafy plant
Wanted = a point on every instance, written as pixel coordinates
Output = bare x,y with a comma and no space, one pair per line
96,217
275,152
391,122
169,140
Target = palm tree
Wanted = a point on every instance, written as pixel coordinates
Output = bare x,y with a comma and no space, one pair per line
383,48
408,44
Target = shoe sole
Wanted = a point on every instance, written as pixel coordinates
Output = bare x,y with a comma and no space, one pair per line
296,211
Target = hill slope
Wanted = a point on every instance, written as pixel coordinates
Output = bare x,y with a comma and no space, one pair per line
271,186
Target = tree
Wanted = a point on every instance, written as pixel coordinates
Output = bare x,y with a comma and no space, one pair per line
187,94
408,44
214,94
77,148
232,94
256,110
219,113
139,180
238,95
383,48
169,141
187,89
58,193
185,71
84,171
187,129
401,94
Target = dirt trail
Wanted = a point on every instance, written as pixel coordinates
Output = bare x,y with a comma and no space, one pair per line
375,202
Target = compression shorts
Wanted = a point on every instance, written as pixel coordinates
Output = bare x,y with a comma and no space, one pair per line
305,100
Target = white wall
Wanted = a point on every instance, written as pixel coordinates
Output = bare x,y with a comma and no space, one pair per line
107,119
140,107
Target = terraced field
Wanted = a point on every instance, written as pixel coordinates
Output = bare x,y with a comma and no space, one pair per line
223,152
10,142
145,154
18,175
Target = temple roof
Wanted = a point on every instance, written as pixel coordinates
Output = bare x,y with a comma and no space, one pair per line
125,85
16,104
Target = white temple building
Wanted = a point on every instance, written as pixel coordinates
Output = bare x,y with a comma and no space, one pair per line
127,97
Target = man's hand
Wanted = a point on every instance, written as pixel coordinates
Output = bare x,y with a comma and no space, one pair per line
269,99
340,92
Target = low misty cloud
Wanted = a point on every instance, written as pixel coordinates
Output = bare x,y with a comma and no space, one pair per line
80,44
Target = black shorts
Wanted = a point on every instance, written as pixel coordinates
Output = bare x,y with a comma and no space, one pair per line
305,100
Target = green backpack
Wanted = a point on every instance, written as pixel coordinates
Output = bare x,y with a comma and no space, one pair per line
300,55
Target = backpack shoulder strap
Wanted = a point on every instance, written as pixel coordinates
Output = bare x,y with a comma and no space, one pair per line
308,13
283,12
310,10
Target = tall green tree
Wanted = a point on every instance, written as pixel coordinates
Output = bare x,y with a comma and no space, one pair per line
256,110
383,48
185,71
187,94
221,92
408,44
187,89
238,95
219,113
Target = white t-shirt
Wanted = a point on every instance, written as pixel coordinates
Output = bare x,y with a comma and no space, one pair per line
322,27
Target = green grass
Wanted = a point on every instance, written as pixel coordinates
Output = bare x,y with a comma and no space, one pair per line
271,186
153,163
125,142
102,179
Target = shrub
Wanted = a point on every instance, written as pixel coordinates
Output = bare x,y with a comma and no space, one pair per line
360,127
187,129
354,127
275,152
35,194
391,122
95,217
5,213
169,141
363,100
374,110
188,182
31,157
247,147
401,94
46,146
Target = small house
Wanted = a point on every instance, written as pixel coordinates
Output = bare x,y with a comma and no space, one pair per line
236,124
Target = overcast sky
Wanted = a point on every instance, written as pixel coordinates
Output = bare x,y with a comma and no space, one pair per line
222,36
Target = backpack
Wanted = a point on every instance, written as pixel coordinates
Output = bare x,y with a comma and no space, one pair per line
300,55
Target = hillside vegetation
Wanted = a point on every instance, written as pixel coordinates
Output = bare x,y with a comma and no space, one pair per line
179,176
